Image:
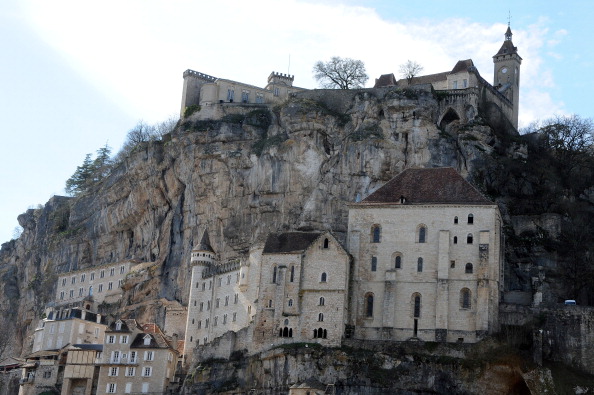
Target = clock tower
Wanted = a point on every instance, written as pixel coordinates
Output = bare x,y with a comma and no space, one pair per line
507,73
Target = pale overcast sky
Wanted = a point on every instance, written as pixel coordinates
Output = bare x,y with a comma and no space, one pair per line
76,75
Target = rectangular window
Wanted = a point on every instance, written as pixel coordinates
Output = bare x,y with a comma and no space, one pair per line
110,286
124,339
120,282
113,372
115,357
102,274
230,94
130,372
71,293
373,263
148,355
73,280
80,291
276,91
226,300
146,372
128,388
224,319
112,271
203,286
62,295
82,278
92,276
199,324
122,268
236,298
111,388
217,303
132,356
234,317
465,83
100,287
201,306
96,333
245,96
111,339
145,388
455,84
63,282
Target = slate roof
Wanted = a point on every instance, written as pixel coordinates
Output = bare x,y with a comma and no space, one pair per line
507,48
204,243
442,185
385,80
462,65
127,326
289,242
158,340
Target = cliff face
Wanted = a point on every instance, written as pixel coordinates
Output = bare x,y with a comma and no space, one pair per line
245,173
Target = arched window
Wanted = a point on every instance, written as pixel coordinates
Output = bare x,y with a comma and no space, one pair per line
321,317
286,322
455,239
286,332
326,243
315,333
369,305
398,262
290,332
373,263
322,301
469,238
292,273
325,334
280,332
422,234
416,305
290,303
376,233
420,264
455,220
324,277
468,268
470,218
274,275
465,295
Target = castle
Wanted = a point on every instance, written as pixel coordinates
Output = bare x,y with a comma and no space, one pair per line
467,90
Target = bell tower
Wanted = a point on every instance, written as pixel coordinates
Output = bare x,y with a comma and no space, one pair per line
506,73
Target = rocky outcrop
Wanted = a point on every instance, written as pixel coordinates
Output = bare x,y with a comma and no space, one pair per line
246,172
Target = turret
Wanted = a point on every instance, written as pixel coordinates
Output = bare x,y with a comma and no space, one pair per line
203,254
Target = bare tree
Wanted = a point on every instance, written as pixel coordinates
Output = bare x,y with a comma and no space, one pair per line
410,70
341,73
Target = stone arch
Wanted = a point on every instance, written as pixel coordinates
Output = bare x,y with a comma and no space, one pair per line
448,117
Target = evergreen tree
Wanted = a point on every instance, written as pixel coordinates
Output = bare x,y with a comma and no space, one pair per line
81,178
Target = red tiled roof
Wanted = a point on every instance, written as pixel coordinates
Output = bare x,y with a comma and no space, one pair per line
442,185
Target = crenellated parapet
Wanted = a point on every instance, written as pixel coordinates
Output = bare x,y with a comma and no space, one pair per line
197,74
280,78
216,269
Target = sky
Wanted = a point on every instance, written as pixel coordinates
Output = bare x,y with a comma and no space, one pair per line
76,75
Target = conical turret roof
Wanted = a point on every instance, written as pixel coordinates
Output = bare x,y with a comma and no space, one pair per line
204,243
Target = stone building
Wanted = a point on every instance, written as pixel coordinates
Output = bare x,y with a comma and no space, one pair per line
427,258
303,289
68,326
205,90
90,287
221,296
81,369
503,93
136,359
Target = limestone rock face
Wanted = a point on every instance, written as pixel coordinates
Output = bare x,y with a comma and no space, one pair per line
250,172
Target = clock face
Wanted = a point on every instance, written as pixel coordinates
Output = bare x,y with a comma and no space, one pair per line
504,70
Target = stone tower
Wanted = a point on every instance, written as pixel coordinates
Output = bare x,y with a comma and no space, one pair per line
203,257
506,73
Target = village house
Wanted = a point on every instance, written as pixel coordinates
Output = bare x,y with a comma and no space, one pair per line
137,359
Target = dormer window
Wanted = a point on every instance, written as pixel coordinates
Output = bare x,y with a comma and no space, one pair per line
118,325
147,340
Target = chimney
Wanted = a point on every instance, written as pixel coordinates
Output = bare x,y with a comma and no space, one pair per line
174,341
